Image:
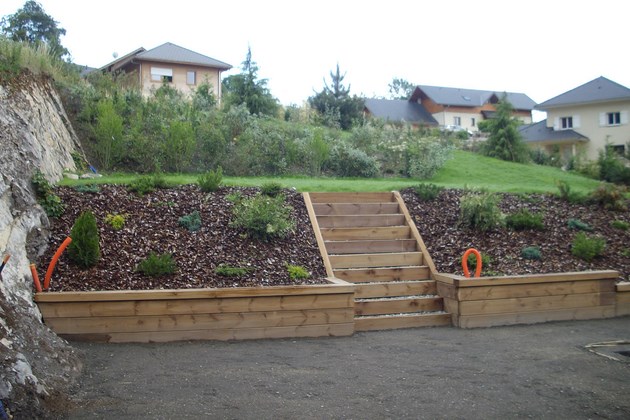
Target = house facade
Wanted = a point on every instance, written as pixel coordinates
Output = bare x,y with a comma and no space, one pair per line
595,115
170,64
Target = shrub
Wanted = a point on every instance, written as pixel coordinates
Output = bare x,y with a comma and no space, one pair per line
84,250
116,221
87,189
350,162
579,225
297,272
612,168
587,247
523,220
157,265
235,197
531,253
263,217
486,260
142,185
610,197
211,180
191,221
45,196
620,224
480,211
428,192
425,157
567,195
230,271
271,189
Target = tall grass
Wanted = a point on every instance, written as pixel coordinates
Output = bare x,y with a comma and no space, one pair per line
16,56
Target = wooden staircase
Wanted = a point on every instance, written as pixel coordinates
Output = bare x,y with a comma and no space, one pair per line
369,239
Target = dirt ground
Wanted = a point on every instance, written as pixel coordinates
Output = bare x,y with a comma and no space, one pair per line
539,371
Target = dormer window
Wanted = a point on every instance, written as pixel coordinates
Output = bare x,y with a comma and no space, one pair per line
566,123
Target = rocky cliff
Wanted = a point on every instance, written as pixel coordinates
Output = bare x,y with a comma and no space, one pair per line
36,366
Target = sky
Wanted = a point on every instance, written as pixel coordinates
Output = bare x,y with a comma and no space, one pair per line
538,47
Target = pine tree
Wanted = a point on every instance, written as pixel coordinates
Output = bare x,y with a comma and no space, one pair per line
85,249
505,142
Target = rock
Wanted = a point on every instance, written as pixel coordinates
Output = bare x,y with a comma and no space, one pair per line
90,175
71,176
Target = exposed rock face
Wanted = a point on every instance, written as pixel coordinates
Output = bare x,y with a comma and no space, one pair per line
36,366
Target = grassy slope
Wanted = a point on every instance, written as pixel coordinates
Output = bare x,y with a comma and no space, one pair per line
464,169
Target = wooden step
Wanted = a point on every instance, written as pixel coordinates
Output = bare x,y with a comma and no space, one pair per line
363,275
365,220
390,322
322,209
353,197
396,259
382,306
359,233
370,246
397,288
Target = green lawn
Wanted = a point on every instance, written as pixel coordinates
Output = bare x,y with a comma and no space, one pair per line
465,169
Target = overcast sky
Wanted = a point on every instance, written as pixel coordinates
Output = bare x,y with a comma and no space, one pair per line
538,47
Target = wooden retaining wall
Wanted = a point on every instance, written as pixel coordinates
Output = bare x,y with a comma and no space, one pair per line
623,299
201,314
528,299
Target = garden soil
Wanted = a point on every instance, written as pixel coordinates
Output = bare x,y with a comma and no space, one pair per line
540,371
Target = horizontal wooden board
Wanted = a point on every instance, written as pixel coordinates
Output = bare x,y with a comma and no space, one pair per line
353,234
369,220
535,278
535,289
548,315
623,287
113,324
372,323
394,306
451,306
623,303
362,275
376,260
355,208
332,330
388,289
532,304
352,197
370,246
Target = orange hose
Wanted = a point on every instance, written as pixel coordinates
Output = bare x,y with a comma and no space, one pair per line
38,285
465,262
53,262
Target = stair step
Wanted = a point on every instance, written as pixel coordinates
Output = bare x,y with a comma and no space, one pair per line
355,208
365,220
365,275
394,259
382,306
395,321
370,246
352,197
398,288
358,233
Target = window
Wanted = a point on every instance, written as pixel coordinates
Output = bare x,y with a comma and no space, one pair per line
161,75
566,123
191,78
613,118
620,149
457,120
473,122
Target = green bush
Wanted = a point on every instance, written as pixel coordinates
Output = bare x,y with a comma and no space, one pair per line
428,192
620,224
157,265
587,247
579,225
142,185
610,197
211,180
230,271
480,211
263,217
234,197
116,221
524,220
271,189
297,272
611,167
191,221
46,197
531,253
567,195
84,250
87,189
425,157
350,162
486,260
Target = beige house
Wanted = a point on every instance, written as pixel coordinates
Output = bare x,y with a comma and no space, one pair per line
181,68
584,120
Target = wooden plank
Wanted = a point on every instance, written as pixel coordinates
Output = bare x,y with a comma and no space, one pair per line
376,260
597,312
395,306
368,246
196,306
318,234
535,278
533,304
363,275
369,220
623,287
332,330
451,306
536,289
101,325
355,208
372,323
354,234
352,197
623,303
447,290
388,289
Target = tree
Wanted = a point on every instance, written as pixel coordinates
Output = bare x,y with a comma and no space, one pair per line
246,88
335,105
400,89
31,24
505,142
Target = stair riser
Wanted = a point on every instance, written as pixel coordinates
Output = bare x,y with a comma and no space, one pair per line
365,233
392,322
383,274
367,247
322,209
372,290
396,306
376,260
374,220
384,197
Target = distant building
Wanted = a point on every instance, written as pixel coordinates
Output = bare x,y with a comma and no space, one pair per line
399,111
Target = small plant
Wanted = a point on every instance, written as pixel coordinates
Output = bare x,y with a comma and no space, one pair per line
620,224
579,225
116,221
610,197
523,220
531,253
84,250
271,189
297,272
567,195
480,211
45,195
626,252
157,265
234,197
428,192
159,181
587,247
191,221
142,185
230,271
263,217
211,180
87,189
